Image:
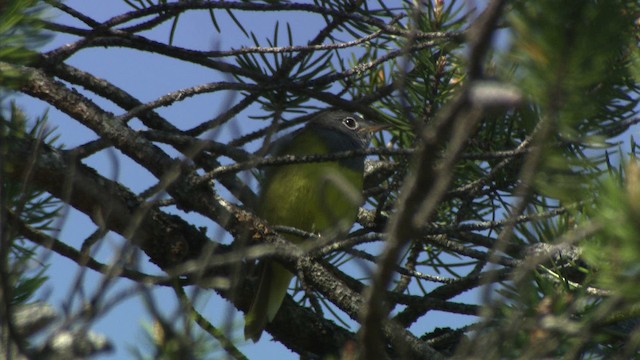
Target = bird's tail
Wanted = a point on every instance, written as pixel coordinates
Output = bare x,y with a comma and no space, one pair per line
274,282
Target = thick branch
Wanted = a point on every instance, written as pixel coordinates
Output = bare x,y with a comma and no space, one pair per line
166,239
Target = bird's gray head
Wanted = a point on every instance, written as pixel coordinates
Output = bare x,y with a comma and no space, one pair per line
344,131
347,131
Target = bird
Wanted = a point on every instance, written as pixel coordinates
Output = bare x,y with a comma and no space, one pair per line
316,197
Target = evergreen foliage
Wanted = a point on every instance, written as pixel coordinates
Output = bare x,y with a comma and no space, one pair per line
508,174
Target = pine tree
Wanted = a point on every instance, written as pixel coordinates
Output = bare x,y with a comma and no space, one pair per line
504,190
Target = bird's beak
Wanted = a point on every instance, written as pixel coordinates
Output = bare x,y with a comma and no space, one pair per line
373,127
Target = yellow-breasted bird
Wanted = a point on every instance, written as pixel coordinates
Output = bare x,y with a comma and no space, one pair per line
316,197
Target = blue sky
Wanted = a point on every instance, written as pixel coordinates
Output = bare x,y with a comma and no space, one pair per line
147,77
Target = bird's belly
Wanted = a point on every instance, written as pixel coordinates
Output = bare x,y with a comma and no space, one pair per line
311,197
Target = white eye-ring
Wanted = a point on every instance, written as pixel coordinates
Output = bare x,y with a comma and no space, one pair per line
350,123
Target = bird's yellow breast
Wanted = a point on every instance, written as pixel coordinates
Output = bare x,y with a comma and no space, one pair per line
315,197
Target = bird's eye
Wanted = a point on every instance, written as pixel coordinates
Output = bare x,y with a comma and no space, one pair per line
350,123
